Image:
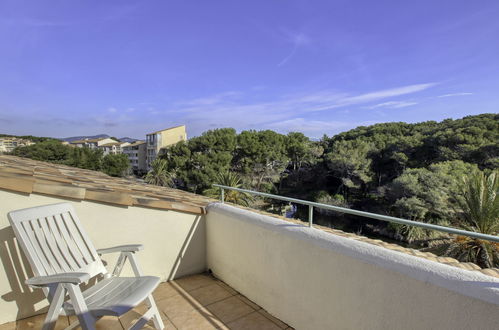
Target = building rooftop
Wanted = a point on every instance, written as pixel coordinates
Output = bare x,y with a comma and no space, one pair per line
166,129
136,143
30,176
112,144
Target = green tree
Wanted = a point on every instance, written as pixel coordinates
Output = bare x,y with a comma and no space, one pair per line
427,195
480,213
230,179
261,156
159,175
350,162
115,165
198,161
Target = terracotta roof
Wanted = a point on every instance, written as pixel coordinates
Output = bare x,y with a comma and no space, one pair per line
31,176
166,129
427,255
111,144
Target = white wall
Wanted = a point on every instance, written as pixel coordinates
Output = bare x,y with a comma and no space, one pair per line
314,280
174,245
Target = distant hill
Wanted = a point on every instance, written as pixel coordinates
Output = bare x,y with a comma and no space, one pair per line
128,139
83,137
99,136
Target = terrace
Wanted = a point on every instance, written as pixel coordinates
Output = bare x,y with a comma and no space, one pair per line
192,302
307,278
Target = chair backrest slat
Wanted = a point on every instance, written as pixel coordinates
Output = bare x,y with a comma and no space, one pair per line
85,248
48,244
53,240
36,250
58,246
67,244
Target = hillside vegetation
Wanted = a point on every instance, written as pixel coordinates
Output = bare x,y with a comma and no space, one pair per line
413,171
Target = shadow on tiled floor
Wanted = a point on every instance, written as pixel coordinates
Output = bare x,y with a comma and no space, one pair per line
193,302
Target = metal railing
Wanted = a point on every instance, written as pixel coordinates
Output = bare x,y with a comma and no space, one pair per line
381,217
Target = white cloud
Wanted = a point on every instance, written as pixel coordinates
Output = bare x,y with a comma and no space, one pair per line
112,110
392,105
297,40
455,94
286,113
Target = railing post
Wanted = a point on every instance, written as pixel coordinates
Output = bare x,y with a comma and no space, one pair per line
222,195
310,215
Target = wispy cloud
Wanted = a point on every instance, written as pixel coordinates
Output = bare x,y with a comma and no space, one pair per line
371,96
297,40
392,105
285,113
313,113
455,94
33,22
313,128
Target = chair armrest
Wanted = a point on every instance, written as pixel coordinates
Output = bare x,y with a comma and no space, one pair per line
73,278
121,248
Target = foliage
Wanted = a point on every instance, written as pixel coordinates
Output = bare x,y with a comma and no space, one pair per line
411,171
198,161
230,179
158,174
55,152
115,165
480,213
30,137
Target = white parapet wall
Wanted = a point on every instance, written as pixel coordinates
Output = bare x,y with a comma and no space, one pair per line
174,245
315,280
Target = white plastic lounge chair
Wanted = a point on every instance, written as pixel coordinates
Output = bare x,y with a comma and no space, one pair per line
62,257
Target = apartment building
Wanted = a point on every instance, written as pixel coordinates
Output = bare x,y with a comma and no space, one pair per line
8,144
136,153
161,139
113,148
92,143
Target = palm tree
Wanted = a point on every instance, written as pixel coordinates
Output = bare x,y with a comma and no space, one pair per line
480,213
159,175
230,179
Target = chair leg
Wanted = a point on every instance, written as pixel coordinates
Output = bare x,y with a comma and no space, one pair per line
87,321
55,308
156,318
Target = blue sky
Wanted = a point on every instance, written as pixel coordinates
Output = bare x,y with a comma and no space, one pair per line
126,68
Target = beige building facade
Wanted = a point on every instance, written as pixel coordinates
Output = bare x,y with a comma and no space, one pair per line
136,153
92,143
8,144
161,139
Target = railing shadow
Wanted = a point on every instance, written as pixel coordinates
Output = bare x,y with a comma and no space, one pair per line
182,261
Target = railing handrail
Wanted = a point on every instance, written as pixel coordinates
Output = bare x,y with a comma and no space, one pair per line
381,217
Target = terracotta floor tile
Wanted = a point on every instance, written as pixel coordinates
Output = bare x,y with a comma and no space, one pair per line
194,282
249,302
197,319
230,309
164,290
105,323
252,321
181,306
132,316
279,323
210,294
8,326
36,322
226,287
176,305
